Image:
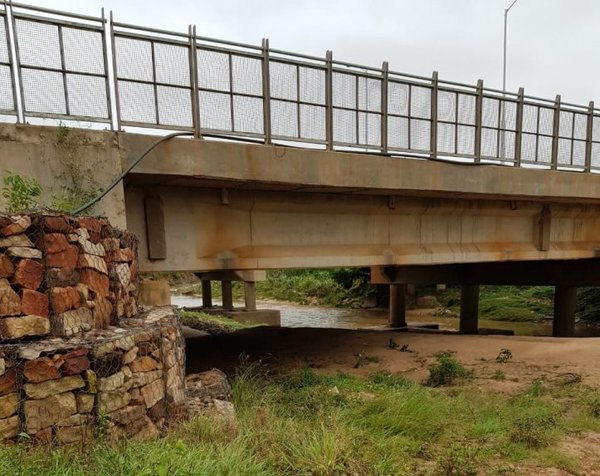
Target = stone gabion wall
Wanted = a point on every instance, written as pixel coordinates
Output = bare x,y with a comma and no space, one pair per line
77,359
119,382
63,275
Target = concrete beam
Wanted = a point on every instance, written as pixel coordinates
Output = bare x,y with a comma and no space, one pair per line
581,272
565,300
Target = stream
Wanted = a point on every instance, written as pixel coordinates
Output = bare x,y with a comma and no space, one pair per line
296,315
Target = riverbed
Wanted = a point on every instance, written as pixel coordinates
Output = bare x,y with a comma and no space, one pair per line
296,315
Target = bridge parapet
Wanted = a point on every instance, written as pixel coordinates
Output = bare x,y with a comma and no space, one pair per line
138,77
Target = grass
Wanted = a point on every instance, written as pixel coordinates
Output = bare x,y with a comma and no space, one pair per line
291,424
210,322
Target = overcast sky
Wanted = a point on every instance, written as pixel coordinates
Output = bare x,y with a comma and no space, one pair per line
552,44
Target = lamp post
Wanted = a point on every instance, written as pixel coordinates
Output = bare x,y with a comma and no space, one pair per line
503,122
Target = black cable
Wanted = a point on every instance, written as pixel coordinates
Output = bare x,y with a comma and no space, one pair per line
128,169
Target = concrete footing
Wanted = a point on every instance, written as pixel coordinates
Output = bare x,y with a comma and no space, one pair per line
268,317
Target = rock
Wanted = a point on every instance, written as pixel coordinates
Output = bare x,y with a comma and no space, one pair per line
22,252
84,292
90,248
48,411
85,403
144,378
111,383
24,326
128,414
427,302
147,432
33,302
111,401
110,244
124,255
40,370
8,382
71,323
122,273
102,313
55,243
16,240
38,391
43,437
74,434
57,224
224,409
75,365
9,405
90,224
6,266
2,366
91,381
18,225
9,427
153,393
145,364
93,262
10,302
157,413
96,281
130,355
61,277
212,384
64,299
28,274
75,420
66,258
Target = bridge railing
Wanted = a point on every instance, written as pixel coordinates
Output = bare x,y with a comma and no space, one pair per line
93,69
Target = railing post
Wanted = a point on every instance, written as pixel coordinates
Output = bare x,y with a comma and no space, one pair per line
555,129
519,126
478,120
14,69
589,138
434,121
107,82
385,69
115,73
194,83
266,88
329,100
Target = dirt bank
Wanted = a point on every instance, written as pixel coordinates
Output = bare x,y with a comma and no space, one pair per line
333,350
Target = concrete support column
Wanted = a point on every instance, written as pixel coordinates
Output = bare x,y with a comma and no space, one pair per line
397,305
250,295
206,293
565,299
469,309
227,292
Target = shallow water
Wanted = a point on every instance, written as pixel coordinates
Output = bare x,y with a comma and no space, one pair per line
295,315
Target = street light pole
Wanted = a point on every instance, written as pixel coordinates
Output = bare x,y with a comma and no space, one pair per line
503,122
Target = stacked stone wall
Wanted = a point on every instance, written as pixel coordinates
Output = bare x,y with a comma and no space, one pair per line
77,359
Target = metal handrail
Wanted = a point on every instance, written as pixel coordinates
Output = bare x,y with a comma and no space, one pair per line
358,106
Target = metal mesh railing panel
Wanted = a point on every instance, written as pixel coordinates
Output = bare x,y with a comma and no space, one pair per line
7,97
154,84
4,48
69,61
215,111
312,85
213,70
312,121
284,118
247,76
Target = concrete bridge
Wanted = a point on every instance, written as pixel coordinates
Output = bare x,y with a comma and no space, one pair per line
324,163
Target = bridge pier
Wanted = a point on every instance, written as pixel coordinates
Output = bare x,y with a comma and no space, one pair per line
397,305
565,300
227,293
469,309
250,295
206,293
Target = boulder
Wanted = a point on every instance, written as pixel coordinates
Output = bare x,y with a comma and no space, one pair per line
9,405
45,412
75,365
73,322
66,258
38,391
16,240
57,224
6,266
85,403
9,427
23,252
33,302
96,281
40,370
8,382
145,364
29,274
92,261
19,225
24,326
10,302
64,299
61,277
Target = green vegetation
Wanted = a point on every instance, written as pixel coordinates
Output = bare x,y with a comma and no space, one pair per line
293,424
20,193
446,371
211,323
506,303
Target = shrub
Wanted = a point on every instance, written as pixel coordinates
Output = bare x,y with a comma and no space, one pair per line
20,193
446,371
